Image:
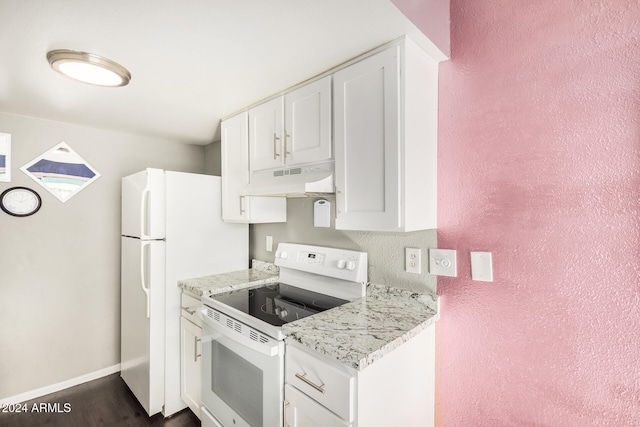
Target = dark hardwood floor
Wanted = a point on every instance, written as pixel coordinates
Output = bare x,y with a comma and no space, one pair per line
105,402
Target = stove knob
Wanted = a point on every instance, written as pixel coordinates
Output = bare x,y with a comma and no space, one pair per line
351,265
341,264
283,313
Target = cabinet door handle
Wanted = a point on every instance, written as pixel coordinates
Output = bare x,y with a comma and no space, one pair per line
195,349
303,378
191,312
285,405
275,146
242,205
286,151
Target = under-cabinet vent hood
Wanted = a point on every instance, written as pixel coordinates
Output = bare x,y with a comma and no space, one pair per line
297,181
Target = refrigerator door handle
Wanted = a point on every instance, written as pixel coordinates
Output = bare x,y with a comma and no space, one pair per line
143,278
144,205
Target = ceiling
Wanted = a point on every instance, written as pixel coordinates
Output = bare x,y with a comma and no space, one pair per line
192,62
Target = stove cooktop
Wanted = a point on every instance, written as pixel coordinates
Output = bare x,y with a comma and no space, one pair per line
278,303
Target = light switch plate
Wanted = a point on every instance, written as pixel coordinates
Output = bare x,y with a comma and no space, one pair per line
442,262
481,266
269,243
412,260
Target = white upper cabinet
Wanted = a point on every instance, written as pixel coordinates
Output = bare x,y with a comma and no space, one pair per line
308,136
385,118
293,129
376,116
265,135
235,166
236,206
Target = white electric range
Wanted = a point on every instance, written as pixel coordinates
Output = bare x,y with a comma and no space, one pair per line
242,340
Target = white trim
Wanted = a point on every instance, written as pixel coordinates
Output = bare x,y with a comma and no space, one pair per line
39,392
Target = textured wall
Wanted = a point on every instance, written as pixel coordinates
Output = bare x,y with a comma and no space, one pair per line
539,163
60,268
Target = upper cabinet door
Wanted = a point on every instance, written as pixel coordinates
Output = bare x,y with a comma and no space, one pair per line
307,136
265,135
367,143
236,206
235,167
386,133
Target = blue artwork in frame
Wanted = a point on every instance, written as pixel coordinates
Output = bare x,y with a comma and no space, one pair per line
5,157
61,171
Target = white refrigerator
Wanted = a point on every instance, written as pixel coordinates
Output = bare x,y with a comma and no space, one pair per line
172,229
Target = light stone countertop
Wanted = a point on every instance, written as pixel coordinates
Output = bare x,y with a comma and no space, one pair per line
355,334
261,273
358,333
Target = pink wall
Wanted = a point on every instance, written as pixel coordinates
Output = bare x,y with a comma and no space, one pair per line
539,163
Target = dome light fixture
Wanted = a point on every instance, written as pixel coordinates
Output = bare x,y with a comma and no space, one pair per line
88,68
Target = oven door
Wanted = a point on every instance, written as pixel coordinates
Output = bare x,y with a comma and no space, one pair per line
242,372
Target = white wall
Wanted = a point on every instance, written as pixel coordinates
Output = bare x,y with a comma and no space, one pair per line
212,159
60,268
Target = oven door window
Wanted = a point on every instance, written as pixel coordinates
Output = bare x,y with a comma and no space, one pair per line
242,380
238,383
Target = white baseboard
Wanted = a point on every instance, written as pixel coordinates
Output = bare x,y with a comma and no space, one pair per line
28,395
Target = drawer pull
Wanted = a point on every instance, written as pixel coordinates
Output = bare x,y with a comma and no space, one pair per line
191,312
304,379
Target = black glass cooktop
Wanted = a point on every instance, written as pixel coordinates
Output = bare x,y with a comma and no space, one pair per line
278,303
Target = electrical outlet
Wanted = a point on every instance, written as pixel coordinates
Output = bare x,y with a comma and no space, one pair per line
442,262
269,243
412,260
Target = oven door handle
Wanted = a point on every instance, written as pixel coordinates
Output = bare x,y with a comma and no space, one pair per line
268,349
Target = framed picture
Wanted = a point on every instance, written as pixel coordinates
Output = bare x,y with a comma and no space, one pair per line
61,171
5,157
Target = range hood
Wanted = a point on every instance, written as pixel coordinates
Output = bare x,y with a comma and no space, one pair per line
299,181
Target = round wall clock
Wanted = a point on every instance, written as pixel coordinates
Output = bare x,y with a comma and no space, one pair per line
20,201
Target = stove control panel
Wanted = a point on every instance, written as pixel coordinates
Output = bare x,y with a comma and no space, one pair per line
312,258
339,263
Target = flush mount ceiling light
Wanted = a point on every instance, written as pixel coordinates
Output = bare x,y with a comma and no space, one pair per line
88,68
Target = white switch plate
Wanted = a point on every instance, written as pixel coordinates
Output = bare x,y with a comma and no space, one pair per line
442,262
269,243
412,260
481,266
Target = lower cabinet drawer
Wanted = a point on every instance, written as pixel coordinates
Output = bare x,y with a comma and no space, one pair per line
189,306
325,382
302,411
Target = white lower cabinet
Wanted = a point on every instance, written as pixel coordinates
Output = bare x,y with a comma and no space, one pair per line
190,356
302,411
396,390
329,383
